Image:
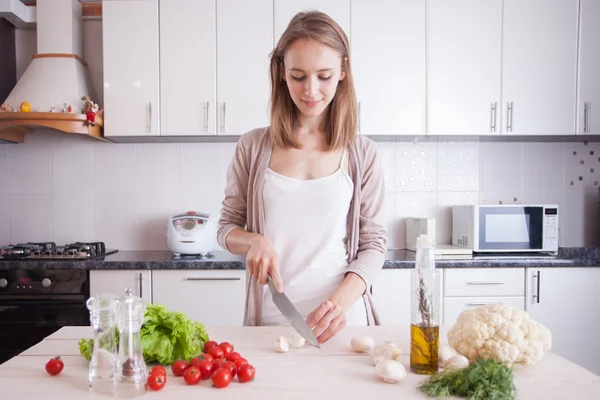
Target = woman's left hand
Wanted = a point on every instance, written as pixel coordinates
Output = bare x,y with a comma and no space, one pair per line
326,320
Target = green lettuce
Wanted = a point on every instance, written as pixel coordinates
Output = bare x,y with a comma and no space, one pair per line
166,336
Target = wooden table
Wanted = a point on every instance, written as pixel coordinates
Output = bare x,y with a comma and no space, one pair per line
333,372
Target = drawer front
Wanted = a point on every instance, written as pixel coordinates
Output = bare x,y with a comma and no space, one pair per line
453,306
484,282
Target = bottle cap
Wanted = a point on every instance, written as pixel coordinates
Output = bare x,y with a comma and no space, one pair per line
424,241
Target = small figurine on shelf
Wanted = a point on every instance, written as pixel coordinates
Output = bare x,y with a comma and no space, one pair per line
52,109
90,109
25,107
5,107
64,108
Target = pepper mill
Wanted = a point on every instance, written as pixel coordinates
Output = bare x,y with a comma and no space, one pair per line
131,375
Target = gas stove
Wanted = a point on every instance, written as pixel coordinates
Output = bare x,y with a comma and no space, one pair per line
50,251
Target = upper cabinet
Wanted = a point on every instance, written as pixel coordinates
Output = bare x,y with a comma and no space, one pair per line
388,62
589,69
188,67
131,68
244,42
539,67
507,67
464,61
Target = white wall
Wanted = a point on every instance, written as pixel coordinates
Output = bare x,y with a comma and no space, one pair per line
63,188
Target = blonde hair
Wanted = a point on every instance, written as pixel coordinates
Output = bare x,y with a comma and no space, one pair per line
342,111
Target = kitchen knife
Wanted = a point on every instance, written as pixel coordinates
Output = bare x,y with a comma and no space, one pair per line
293,316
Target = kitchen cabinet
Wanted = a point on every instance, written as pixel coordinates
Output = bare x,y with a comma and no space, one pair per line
284,11
244,42
116,282
505,67
388,62
131,67
539,67
464,66
391,296
469,288
188,67
589,69
565,300
196,292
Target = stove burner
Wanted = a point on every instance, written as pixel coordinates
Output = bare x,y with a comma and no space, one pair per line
49,251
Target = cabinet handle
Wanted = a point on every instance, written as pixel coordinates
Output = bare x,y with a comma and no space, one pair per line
359,116
509,117
536,296
141,286
223,119
150,117
493,122
206,116
485,283
228,278
481,303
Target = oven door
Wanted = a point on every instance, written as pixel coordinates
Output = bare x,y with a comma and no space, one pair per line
511,228
26,320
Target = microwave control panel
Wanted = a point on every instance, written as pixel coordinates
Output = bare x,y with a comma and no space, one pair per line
550,227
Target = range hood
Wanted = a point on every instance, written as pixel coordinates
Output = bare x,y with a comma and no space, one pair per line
50,92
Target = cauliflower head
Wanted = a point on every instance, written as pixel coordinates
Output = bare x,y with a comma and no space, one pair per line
500,332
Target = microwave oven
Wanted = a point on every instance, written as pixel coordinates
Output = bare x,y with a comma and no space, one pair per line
506,228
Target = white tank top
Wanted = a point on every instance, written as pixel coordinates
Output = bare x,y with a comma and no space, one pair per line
306,221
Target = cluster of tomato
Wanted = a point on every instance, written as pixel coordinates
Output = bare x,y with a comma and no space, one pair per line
218,362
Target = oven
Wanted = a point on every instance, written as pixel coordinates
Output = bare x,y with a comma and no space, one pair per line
37,303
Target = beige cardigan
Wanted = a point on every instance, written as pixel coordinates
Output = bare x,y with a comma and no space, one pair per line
367,233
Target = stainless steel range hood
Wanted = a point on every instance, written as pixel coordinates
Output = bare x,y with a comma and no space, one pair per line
56,80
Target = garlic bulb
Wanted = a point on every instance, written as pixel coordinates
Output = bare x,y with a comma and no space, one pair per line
386,351
445,354
457,361
362,343
282,344
296,340
390,371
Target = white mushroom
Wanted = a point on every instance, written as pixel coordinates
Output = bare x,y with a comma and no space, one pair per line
362,343
385,351
457,361
296,340
446,353
282,344
390,371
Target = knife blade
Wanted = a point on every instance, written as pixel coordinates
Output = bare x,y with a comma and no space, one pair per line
290,312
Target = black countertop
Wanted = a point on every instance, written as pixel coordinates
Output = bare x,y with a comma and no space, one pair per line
567,257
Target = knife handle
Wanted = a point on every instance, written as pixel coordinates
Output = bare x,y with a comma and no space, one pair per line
271,284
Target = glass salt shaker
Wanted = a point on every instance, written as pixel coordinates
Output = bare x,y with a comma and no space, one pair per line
103,313
131,374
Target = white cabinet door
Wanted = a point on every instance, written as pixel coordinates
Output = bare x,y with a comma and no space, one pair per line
566,300
539,61
188,76
391,296
116,282
131,67
454,306
589,69
244,42
464,58
213,297
388,61
285,10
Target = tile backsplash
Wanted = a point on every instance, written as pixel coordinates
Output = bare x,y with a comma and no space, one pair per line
65,188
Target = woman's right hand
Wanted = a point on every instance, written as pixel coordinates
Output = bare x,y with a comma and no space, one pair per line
262,260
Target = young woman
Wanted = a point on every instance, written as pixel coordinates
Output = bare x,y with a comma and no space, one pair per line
304,199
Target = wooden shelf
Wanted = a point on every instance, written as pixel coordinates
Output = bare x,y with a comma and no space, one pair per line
16,124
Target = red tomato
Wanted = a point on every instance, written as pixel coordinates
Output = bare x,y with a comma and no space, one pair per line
240,361
206,369
246,373
217,363
227,347
179,367
158,370
231,367
157,381
234,355
54,366
195,362
216,352
209,345
205,357
192,375
221,378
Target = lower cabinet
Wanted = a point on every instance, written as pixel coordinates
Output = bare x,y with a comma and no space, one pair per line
116,282
213,297
391,296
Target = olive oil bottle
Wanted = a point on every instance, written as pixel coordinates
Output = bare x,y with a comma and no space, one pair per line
425,316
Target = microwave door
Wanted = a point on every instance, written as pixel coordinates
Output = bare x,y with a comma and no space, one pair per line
510,228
